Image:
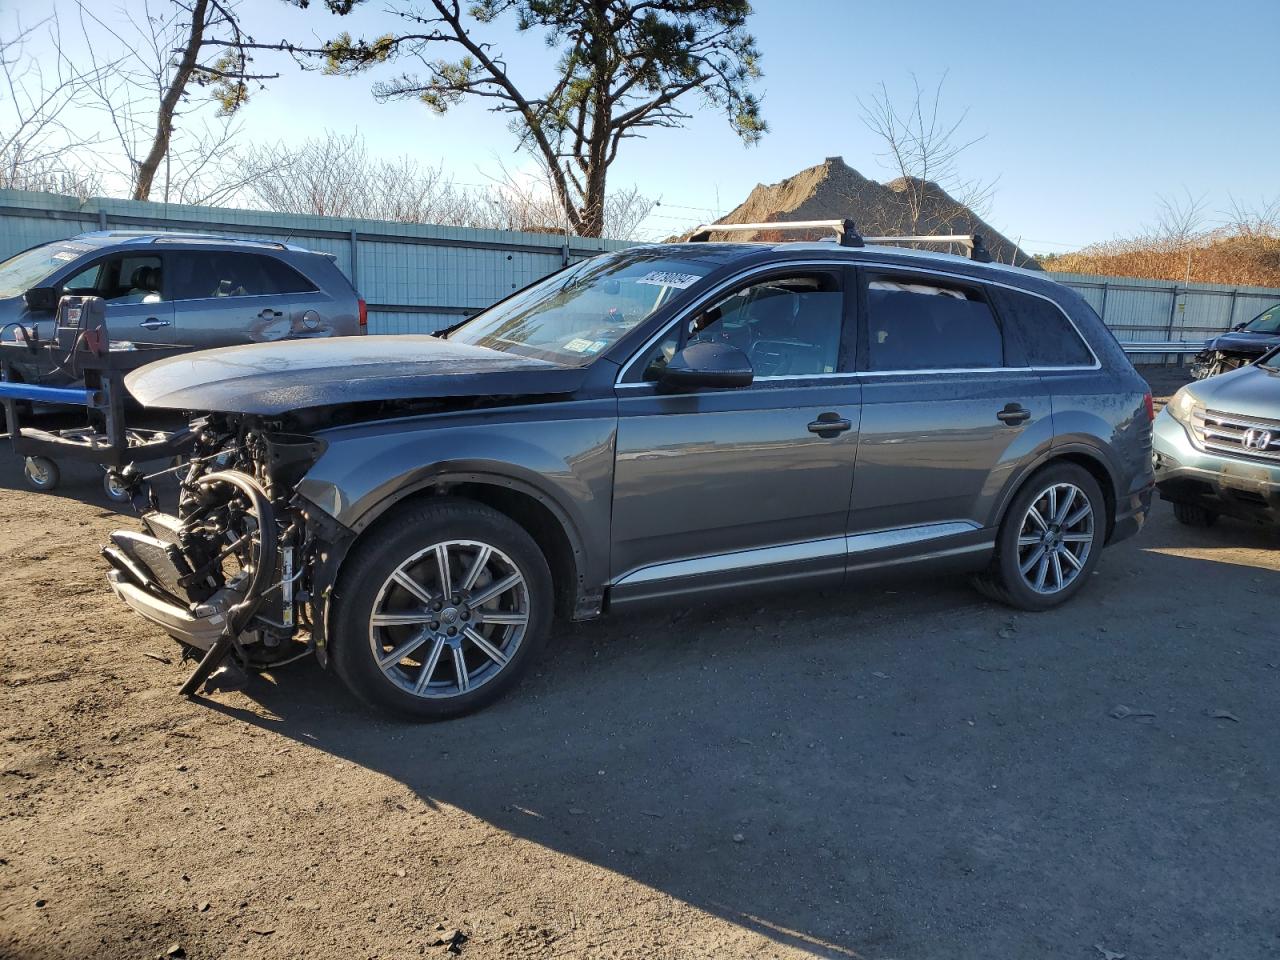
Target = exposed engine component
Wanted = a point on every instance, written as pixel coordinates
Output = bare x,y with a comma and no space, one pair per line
226,574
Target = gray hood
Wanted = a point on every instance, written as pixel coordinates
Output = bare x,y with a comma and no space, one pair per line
1249,391
1245,342
269,379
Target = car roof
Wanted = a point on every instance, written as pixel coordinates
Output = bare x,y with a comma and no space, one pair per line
731,252
104,238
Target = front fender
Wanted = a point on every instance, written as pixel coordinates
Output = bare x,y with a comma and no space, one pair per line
559,453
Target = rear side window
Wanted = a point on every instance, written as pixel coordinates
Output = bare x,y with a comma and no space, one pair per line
215,274
923,324
1048,337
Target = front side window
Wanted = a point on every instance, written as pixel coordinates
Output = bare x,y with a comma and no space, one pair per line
123,278
788,326
218,274
573,316
926,324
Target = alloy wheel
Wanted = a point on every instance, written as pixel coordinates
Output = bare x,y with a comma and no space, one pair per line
1055,538
449,619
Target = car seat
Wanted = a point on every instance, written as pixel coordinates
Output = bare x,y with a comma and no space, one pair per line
144,286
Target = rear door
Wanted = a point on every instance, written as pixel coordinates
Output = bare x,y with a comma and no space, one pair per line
226,297
950,410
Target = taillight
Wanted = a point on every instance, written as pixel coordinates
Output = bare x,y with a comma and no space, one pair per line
1151,407
364,324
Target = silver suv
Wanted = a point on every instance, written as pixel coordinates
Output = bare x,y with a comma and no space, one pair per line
1217,446
657,425
180,289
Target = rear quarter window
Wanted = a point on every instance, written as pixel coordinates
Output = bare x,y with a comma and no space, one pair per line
1049,339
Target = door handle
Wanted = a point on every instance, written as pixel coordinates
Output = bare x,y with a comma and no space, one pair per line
1014,414
269,314
830,425
154,323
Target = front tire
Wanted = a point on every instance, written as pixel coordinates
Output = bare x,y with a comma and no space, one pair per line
1049,541
1194,515
440,609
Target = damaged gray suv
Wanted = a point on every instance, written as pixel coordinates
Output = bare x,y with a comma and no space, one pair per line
660,424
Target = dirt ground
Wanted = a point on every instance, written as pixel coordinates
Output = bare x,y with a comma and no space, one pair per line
894,772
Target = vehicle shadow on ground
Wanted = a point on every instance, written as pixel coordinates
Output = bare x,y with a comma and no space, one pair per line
909,771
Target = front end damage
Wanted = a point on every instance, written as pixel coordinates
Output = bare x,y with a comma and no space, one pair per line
233,574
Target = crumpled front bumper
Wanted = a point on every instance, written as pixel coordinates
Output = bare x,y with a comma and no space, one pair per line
197,630
1234,487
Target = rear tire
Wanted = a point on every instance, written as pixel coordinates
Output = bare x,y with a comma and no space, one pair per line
1194,515
1049,543
429,639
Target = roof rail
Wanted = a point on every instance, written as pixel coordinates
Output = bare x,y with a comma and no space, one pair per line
213,238
846,233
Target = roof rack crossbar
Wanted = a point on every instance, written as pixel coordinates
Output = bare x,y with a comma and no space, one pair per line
846,232
972,242
846,235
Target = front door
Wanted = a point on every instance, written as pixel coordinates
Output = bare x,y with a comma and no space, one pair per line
950,410
133,288
729,487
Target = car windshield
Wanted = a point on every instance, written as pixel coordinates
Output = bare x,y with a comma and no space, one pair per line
574,315
1268,321
27,269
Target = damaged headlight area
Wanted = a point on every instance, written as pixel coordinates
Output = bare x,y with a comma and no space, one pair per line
230,574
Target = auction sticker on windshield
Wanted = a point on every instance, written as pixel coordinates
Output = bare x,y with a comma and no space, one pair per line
664,278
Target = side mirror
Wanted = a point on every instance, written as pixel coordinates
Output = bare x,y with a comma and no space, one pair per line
41,299
1240,326
707,363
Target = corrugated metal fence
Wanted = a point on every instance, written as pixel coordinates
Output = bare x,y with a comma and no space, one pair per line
420,278
416,278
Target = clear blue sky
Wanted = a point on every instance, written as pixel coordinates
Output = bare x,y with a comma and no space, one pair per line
1090,109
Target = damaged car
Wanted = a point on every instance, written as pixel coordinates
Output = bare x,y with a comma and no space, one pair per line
652,426
1242,345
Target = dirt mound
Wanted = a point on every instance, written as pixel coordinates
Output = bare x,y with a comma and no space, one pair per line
833,190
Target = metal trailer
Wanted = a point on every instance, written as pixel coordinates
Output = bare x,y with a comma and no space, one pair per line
105,438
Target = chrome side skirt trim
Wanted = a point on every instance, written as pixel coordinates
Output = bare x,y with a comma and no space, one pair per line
900,536
788,553
738,560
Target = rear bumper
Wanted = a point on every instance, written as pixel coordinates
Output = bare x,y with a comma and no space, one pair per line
1131,514
1230,486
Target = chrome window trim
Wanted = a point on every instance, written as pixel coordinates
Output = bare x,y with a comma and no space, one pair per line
1096,365
846,545
852,262
858,376
744,275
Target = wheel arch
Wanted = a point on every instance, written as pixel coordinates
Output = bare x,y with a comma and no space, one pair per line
1090,458
537,513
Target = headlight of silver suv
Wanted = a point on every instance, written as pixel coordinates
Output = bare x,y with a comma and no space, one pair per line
1184,407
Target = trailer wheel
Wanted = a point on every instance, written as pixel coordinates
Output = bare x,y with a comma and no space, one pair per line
42,473
114,487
